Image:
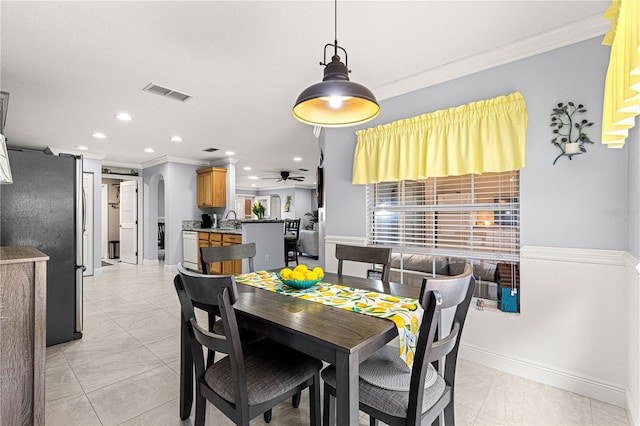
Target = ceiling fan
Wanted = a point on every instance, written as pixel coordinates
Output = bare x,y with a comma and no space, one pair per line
285,175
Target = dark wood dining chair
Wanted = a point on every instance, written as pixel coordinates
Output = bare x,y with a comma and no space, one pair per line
291,237
225,253
251,379
372,255
423,393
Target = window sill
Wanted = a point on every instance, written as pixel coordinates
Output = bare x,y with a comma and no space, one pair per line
489,306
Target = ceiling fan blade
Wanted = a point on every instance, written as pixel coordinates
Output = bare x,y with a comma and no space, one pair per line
297,178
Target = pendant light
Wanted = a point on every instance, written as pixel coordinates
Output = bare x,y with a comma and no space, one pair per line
336,101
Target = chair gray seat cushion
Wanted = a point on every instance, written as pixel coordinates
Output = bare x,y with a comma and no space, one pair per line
271,370
387,401
387,370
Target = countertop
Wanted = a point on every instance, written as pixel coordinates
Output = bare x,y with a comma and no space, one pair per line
195,226
216,230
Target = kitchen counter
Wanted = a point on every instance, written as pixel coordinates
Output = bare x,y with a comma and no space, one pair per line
216,230
266,234
195,225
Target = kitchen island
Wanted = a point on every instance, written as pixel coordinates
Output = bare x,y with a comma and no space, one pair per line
266,234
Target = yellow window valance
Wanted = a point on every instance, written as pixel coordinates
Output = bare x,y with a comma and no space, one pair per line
483,136
621,102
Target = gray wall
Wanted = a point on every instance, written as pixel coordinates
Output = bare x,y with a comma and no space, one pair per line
301,200
566,205
180,195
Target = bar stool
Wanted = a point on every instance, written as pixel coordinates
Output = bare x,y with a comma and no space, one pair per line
291,235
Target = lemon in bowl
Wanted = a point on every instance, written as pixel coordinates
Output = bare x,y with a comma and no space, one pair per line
301,276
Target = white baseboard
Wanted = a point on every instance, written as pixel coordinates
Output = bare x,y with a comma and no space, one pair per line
150,262
632,409
172,269
583,385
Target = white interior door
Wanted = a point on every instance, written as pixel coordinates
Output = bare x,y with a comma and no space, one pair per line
129,221
105,221
87,228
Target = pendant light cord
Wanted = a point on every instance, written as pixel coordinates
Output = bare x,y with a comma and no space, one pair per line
335,23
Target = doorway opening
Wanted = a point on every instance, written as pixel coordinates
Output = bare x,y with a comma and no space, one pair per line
121,204
161,221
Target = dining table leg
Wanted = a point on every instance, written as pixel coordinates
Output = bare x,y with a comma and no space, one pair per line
347,389
186,372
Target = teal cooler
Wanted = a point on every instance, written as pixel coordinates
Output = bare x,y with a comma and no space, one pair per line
508,299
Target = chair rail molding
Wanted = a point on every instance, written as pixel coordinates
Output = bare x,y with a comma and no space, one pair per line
348,240
563,254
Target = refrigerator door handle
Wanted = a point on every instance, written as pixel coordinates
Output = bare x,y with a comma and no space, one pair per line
84,211
79,264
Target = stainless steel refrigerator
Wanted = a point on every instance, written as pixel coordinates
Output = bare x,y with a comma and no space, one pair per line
44,208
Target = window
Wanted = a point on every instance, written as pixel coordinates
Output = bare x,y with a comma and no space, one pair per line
473,217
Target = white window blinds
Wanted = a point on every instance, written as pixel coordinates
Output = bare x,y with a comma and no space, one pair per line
470,216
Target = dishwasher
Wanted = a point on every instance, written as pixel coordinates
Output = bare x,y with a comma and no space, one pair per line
190,250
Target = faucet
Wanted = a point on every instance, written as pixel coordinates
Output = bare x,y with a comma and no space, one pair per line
236,222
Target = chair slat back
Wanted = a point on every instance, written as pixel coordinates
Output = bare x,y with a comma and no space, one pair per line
450,292
219,293
292,227
203,289
453,289
224,253
373,255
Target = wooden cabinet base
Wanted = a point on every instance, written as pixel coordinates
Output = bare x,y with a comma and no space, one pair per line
23,292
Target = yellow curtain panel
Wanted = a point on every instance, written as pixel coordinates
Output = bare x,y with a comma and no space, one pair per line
621,102
483,136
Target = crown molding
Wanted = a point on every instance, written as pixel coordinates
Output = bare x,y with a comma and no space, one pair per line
568,34
575,255
169,159
122,164
223,161
275,188
84,154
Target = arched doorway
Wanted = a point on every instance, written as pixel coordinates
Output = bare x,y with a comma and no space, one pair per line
156,225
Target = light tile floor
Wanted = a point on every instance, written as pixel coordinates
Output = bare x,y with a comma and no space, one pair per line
124,371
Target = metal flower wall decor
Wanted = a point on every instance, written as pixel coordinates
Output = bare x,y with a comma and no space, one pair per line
569,129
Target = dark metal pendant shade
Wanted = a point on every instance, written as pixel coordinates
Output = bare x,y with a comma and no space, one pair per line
336,101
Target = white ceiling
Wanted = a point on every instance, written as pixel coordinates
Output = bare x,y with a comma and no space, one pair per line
71,66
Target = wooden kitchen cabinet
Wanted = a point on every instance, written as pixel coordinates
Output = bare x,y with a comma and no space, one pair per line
23,293
216,239
212,187
210,239
232,267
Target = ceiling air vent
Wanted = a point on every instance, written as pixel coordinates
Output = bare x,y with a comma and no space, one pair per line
166,92
210,149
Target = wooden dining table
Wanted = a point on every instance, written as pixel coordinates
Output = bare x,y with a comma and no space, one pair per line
340,337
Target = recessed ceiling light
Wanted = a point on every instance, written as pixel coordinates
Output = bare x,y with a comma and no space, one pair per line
99,135
82,147
253,184
229,153
247,168
149,150
253,177
124,116
297,158
176,139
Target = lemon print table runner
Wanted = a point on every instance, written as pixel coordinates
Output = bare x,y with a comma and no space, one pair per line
405,312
